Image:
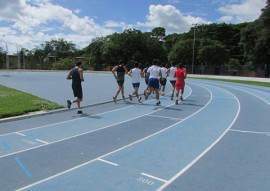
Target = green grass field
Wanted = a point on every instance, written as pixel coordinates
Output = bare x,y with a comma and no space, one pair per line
255,83
14,103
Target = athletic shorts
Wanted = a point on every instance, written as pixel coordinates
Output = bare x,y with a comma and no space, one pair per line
179,86
136,85
163,81
173,82
120,83
153,83
77,92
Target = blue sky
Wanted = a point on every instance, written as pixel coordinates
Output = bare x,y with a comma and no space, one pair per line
28,23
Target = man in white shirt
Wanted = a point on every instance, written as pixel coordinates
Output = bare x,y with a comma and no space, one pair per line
170,73
136,74
154,74
163,79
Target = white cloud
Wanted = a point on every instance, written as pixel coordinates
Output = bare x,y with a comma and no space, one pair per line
245,11
169,17
34,22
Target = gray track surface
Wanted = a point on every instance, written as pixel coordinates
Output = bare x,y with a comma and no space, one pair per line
218,138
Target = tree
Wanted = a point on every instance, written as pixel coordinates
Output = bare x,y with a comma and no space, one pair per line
255,40
182,52
159,33
212,52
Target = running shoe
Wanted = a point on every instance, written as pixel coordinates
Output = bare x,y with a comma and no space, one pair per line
130,97
140,100
171,97
79,112
124,98
176,102
114,99
68,104
158,103
181,98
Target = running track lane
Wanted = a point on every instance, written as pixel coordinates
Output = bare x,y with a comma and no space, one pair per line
149,163
240,161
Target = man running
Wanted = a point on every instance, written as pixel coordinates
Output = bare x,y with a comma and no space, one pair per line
76,75
163,78
120,70
170,73
180,75
154,74
136,74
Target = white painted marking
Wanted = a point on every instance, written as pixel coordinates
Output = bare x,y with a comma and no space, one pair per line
253,132
158,116
20,134
154,177
206,150
105,127
108,162
112,152
42,141
145,181
29,141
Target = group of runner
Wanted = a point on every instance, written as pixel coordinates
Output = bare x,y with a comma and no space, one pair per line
155,78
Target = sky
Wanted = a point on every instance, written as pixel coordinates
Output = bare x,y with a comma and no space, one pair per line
29,23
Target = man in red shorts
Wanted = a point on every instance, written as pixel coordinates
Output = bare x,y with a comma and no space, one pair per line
180,75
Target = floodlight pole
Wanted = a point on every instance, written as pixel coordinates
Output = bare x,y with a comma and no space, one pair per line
193,48
18,54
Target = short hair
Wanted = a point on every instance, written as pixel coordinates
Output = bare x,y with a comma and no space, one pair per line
155,62
79,63
121,62
136,64
180,65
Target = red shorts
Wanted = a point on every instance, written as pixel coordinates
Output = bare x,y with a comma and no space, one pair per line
179,86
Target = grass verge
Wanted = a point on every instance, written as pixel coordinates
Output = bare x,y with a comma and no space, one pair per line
255,83
14,103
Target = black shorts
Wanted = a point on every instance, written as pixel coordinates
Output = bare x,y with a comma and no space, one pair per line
77,92
163,81
173,82
120,83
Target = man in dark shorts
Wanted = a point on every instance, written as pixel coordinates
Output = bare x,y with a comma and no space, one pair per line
154,74
120,70
76,75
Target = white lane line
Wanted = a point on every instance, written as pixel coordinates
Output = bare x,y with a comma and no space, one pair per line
87,132
155,178
105,127
62,122
20,134
207,149
108,162
158,116
238,87
253,132
41,141
112,152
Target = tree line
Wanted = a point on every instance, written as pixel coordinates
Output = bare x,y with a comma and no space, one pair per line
230,47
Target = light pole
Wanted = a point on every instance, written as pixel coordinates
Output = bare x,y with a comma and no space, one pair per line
18,54
7,58
193,48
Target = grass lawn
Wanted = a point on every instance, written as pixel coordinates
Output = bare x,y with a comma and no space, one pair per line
14,103
255,83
